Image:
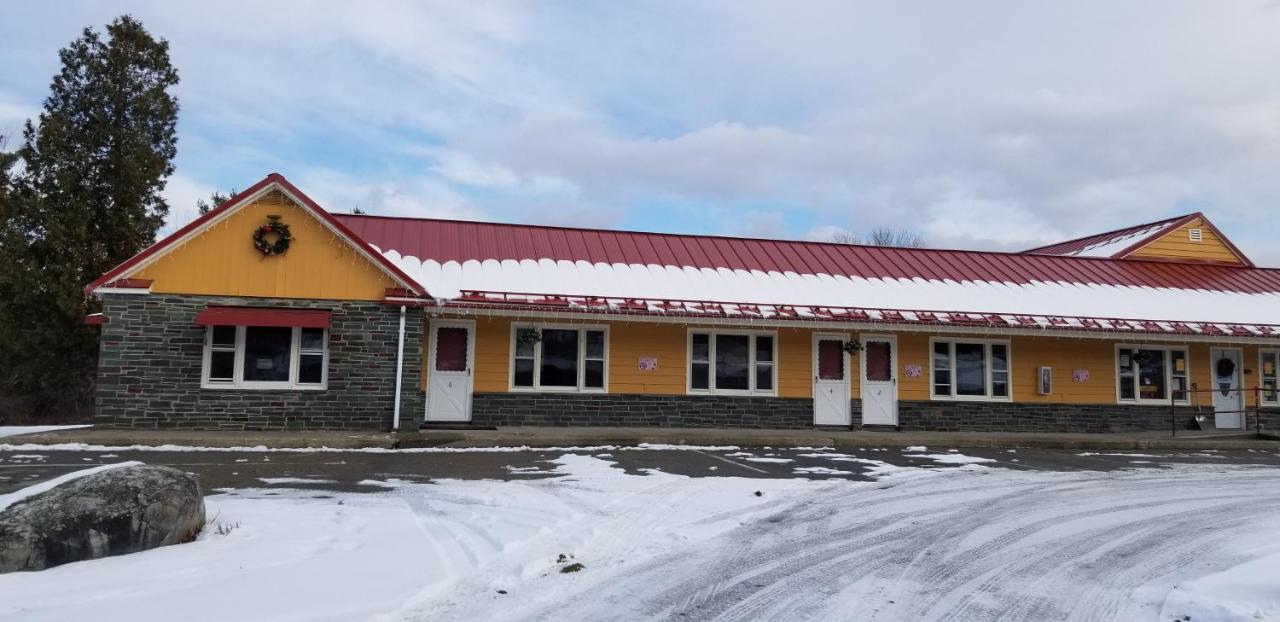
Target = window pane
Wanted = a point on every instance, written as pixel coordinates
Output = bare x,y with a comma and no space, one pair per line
699,376
830,360
524,373
222,365
1151,374
971,369
266,353
1179,371
451,348
879,361
1269,390
312,339
732,359
559,358
941,368
311,368
701,347
224,336
525,343
999,370
764,349
595,344
764,377
593,374
1124,364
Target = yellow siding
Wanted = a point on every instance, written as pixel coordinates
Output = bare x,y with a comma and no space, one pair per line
222,260
1177,244
630,341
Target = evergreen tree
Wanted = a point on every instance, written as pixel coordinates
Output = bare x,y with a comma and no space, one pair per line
86,198
215,199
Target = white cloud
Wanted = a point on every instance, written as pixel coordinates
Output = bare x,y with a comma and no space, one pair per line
980,125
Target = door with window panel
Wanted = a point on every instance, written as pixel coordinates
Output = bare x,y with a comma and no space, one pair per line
831,403
449,376
879,385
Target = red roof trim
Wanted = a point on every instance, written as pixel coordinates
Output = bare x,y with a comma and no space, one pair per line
238,200
706,309
95,319
263,316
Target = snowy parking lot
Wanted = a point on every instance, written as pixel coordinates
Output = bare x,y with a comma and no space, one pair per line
815,535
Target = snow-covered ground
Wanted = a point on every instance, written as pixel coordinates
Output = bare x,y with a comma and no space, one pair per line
966,542
14,430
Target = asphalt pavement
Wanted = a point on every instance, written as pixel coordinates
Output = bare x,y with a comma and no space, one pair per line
361,470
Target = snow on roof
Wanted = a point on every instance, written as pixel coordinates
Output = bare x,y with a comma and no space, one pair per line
1111,243
470,263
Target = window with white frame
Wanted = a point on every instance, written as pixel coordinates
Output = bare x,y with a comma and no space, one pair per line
732,363
265,357
970,369
1151,374
559,358
1269,379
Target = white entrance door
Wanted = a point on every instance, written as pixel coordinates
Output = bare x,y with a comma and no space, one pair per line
1228,400
449,371
830,381
878,380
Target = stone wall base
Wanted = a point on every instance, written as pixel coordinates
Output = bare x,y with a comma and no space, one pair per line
576,409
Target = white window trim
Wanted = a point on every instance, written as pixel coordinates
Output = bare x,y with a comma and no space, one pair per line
1262,376
537,359
237,376
1168,375
987,371
711,360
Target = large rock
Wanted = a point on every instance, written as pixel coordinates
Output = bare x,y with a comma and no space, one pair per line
118,511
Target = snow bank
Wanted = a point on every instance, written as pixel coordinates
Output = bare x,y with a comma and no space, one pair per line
14,430
35,489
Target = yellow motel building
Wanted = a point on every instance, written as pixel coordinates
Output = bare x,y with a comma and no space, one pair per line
270,313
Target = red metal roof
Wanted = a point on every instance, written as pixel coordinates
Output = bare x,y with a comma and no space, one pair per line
274,179
460,241
1149,231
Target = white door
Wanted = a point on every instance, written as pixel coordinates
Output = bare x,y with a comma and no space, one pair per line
1228,400
879,382
449,371
830,381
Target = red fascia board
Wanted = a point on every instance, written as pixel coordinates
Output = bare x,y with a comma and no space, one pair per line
235,201
176,235
95,319
263,316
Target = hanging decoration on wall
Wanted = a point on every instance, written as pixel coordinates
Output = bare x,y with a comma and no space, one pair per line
529,337
262,241
853,347
1226,368
648,363
914,371
1080,375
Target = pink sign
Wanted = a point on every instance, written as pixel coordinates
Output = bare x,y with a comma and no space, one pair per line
648,363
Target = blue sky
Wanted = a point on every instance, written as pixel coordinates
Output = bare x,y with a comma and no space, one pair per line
998,125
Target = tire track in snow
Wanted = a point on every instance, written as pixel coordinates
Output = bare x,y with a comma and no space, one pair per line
1066,546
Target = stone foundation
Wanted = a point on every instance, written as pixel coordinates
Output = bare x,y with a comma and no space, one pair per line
677,411
151,354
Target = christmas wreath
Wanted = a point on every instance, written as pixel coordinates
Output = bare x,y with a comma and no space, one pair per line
1226,367
280,230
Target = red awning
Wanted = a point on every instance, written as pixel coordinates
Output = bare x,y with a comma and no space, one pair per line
262,316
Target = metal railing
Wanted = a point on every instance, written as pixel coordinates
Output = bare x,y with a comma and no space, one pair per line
1192,400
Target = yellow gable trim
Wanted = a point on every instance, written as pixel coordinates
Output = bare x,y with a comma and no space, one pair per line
221,260
1177,244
